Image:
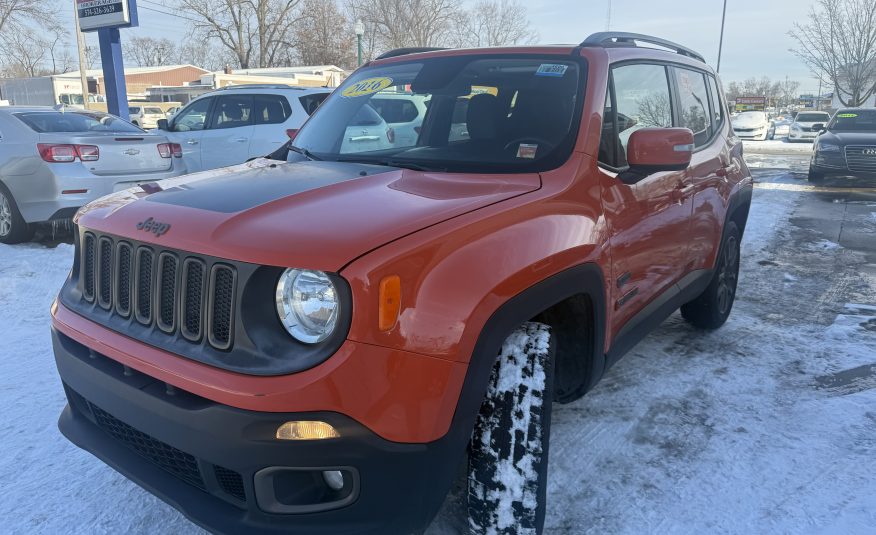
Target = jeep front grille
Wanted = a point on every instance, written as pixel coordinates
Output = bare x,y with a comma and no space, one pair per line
169,291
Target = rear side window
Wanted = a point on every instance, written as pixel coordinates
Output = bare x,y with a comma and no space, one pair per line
693,103
70,121
717,104
394,110
639,98
134,110
311,102
232,111
271,109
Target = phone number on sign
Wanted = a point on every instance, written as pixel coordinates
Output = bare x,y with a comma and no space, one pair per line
100,10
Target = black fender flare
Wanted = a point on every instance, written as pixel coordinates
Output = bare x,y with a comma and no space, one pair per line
585,279
738,199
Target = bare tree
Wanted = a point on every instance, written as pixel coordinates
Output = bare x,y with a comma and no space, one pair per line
256,32
324,36
406,23
496,23
838,44
203,52
149,51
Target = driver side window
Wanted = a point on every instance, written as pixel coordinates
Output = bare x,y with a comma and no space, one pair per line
193,117
641,100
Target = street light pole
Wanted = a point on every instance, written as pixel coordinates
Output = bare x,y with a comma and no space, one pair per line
721,39
359,28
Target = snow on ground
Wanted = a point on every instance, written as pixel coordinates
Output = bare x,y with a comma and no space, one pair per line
767,425
776,146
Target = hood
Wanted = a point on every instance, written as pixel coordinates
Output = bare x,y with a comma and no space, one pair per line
315,215
748,121
849,138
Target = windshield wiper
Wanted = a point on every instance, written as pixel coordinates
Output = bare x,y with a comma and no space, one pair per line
304,152
389,162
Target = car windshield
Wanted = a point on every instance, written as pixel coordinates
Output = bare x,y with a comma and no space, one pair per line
74,121
854,121
485,114
812,117
751,117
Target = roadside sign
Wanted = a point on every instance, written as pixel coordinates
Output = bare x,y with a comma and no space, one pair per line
96,14
750,103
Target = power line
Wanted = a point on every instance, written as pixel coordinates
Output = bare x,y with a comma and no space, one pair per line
174,15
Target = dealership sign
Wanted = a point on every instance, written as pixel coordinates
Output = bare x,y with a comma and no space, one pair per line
750,103
96,14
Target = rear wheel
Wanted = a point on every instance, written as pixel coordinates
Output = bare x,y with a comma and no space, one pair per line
712,308
13,227
815,175
507,478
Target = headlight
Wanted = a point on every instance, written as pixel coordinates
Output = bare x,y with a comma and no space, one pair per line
795,127
307,304
827,147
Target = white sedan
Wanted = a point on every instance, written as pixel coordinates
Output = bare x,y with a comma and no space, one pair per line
752,125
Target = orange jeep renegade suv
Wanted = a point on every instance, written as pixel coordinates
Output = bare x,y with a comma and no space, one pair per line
326,343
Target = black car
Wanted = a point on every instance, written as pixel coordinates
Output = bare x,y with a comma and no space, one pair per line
847,146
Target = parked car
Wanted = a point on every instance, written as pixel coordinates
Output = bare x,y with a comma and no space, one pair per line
54,161
145,117
171,111
238,123
319,344
403,113
807,125
780,127
752,125
847,146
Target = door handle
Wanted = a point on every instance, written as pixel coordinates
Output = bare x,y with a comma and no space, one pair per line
240,139
192,142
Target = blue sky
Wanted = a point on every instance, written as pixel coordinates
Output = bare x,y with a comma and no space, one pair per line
755,39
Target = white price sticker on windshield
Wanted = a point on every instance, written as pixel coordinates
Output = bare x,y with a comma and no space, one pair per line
556,70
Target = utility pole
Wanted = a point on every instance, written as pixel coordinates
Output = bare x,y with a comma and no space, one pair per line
80,42
359,28
721,39
608,18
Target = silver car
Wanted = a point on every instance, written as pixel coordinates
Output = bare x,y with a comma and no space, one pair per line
54,161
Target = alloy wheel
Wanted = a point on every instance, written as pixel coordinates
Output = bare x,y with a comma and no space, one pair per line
5,216
727,275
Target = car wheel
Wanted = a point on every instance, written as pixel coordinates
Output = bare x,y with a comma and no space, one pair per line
712,308
815,175
13,227
507,475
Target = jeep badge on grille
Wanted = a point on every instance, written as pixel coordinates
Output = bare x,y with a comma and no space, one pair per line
150,225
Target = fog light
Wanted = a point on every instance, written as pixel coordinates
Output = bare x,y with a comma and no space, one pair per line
334,479
306,430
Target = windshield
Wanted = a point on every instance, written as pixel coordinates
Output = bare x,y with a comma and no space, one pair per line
487,114
854,121
74,121
812,117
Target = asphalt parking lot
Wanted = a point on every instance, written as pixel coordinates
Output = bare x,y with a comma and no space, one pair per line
767,425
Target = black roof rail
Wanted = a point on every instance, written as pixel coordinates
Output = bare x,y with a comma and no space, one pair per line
629,39
408,50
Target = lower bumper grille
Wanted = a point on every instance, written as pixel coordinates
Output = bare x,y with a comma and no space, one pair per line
178,463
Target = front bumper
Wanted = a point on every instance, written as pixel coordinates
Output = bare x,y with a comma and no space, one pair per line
796,135
207,459
751,134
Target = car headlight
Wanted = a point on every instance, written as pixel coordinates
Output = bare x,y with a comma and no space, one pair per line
795,127
827,147
307,304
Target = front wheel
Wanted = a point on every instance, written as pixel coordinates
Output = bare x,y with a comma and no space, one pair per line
13,227
507,476
815,175
712,307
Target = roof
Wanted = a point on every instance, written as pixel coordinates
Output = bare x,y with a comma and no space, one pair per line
97,73
19,109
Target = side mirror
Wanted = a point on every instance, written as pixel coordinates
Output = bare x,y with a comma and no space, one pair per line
651,150
162,124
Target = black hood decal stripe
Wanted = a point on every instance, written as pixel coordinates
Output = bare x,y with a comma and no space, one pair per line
240,191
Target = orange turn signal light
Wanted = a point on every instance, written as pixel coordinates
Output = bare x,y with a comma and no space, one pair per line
390,302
